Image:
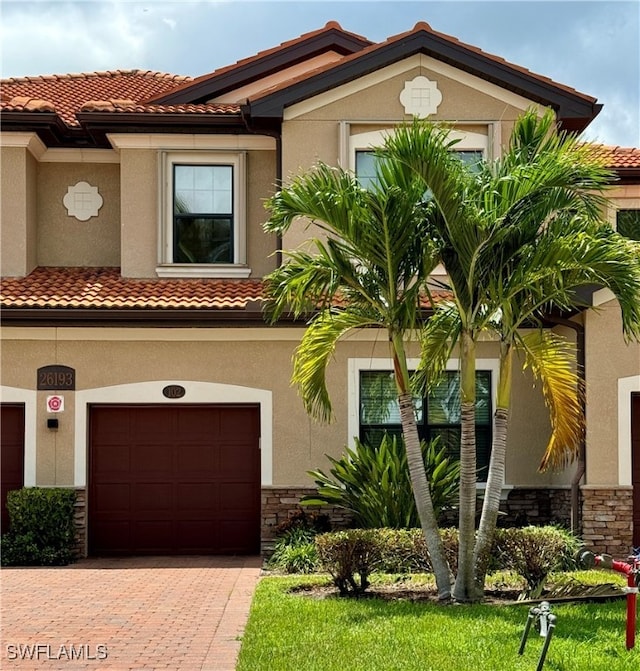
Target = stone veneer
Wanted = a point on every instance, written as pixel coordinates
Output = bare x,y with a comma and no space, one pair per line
80,521
607,519
607,523
280,503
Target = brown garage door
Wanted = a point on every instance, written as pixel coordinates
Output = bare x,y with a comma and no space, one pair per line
174,479
635,467
12,453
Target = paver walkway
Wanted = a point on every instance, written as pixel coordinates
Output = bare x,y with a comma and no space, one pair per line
174,613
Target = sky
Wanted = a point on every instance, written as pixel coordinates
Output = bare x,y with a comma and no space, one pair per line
592,46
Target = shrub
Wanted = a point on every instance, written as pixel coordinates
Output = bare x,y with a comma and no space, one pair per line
374,483
532,552
295,551
317,523
42,531
350,557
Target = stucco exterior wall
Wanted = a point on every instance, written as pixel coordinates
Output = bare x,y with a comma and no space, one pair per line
311,131
18,211
608,360
140,202
259,358
63,240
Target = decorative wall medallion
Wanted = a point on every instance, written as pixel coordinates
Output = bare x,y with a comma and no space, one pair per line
82,201
420,97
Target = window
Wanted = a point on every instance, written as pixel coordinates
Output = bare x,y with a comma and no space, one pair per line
203,215
436,415
366,161
628,223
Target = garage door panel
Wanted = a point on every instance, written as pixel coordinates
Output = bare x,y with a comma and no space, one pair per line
197,459
234,535
237,462
185,478
197,496
113,459
152,496
236,497
197,535
151,458
111,535
147,424
240,425
112,497
112,424
152,535
11,455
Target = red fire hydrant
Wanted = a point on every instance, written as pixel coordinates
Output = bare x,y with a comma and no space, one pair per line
632,571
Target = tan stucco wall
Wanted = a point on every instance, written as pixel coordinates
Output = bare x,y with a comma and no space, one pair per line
18,211
608,359
140,217
299,444
139,212
62,239
314,135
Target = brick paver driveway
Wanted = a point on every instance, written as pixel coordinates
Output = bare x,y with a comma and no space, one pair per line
177,613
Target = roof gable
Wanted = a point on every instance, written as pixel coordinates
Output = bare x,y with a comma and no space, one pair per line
575,110
329,39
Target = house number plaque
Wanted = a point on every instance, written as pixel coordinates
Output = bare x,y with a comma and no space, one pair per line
174,391
56,378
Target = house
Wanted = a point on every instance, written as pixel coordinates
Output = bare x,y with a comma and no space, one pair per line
136,364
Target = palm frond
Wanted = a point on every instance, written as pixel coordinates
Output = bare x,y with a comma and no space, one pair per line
312,356
552,362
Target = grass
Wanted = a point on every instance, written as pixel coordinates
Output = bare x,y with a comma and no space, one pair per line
289,631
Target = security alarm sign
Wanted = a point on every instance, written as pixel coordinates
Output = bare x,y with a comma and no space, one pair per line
55,403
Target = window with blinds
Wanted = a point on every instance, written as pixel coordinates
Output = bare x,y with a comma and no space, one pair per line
436,415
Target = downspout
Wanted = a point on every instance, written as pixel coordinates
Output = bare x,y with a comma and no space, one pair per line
576,517
245,112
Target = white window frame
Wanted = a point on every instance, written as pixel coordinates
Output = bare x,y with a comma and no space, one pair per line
356,365
468,141
166,266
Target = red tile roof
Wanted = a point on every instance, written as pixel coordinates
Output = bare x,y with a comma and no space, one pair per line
66,94
422,26
105,288
329,26
618,158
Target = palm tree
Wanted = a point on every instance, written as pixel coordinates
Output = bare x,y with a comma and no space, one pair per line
367,270
531,235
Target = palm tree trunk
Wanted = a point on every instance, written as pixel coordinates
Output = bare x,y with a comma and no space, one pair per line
495,478
463,589
419,482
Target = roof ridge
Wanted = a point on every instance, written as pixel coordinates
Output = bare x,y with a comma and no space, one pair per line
151,74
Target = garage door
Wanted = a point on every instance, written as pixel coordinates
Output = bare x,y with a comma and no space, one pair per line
174,479
635,453
11,453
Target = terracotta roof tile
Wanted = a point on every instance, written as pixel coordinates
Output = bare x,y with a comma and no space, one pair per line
105,288
425,27
330,25
618,157
66,94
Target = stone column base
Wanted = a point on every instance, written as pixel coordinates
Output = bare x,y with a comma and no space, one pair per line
607,519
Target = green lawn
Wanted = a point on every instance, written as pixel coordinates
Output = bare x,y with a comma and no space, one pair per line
292,632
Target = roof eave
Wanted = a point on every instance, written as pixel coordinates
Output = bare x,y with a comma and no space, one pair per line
98,124
205,89
574,110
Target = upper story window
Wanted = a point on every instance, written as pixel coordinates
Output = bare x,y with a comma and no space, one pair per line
471,148
204,215
628,223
